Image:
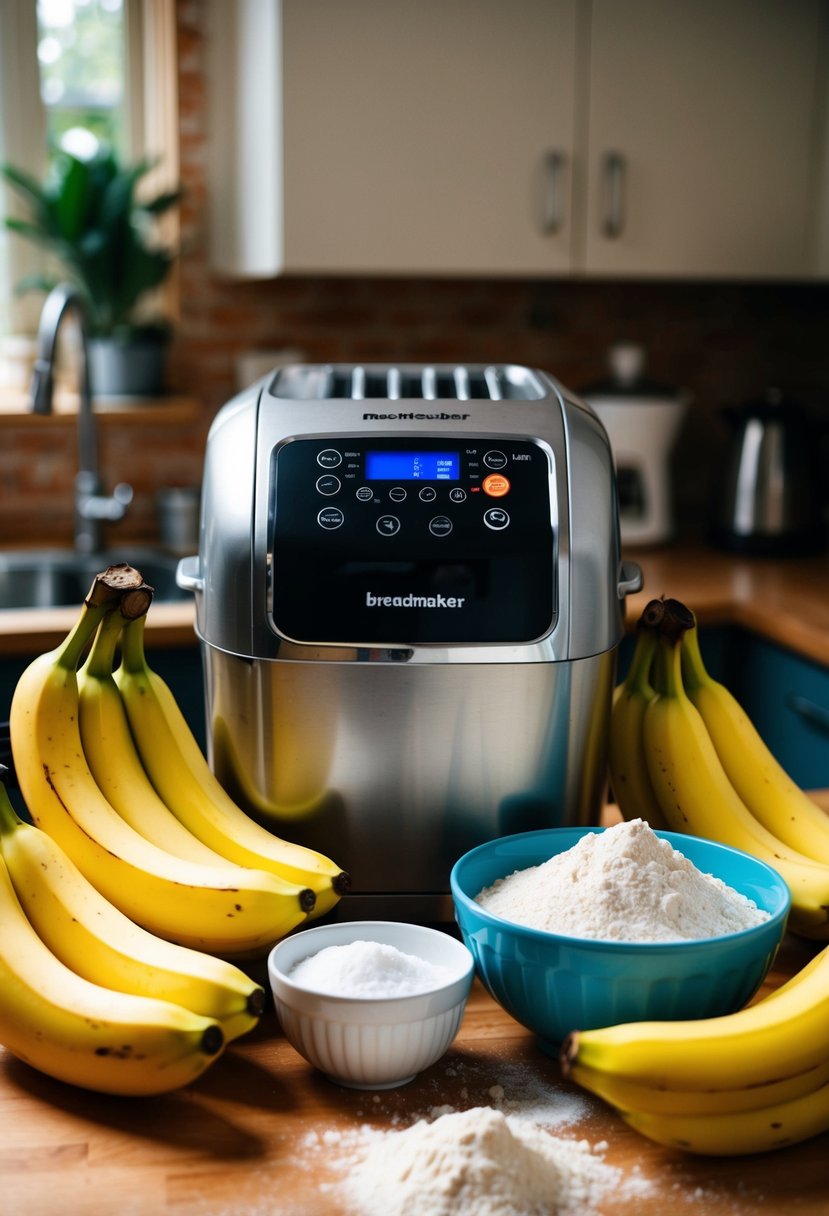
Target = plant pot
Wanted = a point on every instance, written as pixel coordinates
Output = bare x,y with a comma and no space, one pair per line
128,367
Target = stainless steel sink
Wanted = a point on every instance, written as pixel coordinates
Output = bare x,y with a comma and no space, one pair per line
55,578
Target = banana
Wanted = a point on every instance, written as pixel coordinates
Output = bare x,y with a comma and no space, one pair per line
110,752
629,778
226,910
761,1044
753,1131
629,1094
696,796
763,784
75,1031
186,784
97,941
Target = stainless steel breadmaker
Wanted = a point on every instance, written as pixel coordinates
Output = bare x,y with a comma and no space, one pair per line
409,595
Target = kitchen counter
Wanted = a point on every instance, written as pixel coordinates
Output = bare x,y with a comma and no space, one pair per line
785,601
263,1133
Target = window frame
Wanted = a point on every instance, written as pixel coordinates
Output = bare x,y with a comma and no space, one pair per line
151,96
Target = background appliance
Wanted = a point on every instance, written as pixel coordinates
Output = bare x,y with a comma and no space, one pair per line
770,504
642,420
409,595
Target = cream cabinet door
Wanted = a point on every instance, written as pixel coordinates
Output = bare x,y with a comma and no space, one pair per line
703,137
428,136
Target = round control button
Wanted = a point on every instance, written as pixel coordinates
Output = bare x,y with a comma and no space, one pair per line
329,458
427,494
495,485
495,460
388,525
397,493
330,518
457,494
328,484
365,493
496,518
441,525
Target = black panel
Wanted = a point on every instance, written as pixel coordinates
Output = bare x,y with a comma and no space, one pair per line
457,546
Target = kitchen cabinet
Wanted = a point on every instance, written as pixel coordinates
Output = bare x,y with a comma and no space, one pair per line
543,137
787,698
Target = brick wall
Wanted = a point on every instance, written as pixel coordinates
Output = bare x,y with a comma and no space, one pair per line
724,342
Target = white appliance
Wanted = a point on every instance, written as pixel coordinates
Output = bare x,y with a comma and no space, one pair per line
642,420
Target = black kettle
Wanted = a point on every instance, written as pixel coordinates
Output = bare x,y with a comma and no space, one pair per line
770,503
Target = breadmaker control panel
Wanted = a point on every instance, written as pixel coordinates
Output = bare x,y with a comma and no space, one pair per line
405,541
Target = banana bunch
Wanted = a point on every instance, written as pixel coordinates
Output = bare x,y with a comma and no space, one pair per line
62,1020
134,850
187,785
746,1082
89,998
684,756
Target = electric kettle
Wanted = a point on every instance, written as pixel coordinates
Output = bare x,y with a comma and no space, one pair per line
770,505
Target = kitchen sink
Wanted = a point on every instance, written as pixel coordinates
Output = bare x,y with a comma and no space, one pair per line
55,578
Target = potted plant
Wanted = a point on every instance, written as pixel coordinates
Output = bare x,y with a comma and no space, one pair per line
87,215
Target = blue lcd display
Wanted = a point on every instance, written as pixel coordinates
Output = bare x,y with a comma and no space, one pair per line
412,466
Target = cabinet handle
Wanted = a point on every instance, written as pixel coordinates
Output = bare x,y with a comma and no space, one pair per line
552,215
815,714
613,177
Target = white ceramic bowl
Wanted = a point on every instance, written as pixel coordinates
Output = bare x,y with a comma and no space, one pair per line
371,1042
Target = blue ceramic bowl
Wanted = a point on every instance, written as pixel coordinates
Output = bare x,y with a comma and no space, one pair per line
553,984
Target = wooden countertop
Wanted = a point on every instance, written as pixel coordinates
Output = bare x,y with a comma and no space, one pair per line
786,601
783,600
263,1133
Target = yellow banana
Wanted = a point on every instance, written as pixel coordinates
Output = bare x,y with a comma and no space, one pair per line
629,777
97,941
752,1131
76,1031
186,784
110,752
226,910
761,1044
763,784
630,1094
696,796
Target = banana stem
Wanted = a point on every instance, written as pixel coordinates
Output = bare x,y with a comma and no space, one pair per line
133,658
693,667
9,818
69,653
101,659
638,678
669,667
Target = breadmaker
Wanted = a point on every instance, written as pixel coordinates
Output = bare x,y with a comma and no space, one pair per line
409,597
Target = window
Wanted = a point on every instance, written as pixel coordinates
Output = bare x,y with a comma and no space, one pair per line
81,58
104,66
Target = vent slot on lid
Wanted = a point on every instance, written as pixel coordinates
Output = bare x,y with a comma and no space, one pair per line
426,383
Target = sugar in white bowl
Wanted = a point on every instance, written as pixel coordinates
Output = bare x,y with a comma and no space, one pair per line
370,1003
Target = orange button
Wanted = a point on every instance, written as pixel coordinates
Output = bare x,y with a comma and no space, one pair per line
496,485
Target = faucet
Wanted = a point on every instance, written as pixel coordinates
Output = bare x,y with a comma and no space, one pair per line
92,506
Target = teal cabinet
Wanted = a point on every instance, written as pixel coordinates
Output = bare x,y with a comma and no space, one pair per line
787,698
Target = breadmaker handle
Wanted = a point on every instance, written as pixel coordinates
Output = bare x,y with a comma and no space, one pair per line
630,579
188,574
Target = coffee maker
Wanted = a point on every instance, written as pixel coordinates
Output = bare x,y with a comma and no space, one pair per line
642,419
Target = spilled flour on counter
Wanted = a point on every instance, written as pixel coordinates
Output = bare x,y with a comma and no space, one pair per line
479,1162
623,884
496,1157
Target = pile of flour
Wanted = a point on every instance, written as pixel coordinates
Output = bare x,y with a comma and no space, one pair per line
623,884
479,1162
